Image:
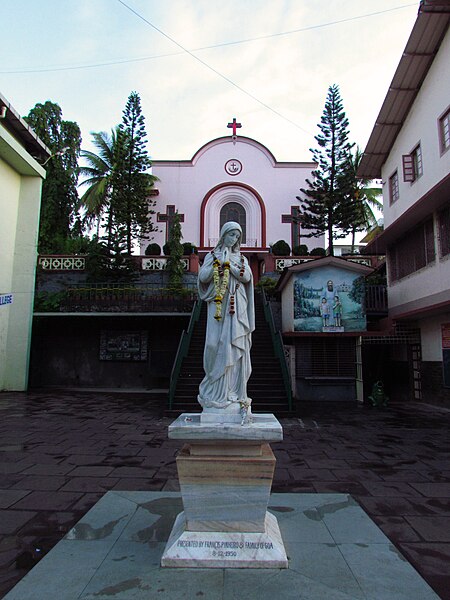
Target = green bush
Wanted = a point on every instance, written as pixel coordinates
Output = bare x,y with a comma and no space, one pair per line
281,248
189,248
318,252
268,284
49,301
301,250
153,249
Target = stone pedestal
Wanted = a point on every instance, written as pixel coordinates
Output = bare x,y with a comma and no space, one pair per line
225,472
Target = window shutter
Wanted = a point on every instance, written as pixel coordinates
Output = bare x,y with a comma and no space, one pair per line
408,167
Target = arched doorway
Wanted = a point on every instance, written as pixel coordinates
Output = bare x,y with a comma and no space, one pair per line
233,202
233,211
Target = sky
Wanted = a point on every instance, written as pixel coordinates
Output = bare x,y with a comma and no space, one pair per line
196,64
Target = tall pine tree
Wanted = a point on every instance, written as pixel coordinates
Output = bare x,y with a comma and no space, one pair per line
324,207
131,183
59,217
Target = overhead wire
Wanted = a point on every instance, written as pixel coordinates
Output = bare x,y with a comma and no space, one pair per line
221,75
204,63
121,61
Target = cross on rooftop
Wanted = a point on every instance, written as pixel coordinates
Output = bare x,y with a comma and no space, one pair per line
234,125
168,218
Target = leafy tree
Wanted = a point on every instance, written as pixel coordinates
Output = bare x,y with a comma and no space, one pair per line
174,264
113,263
131,183
59,218
99,170
324,209
362,198
268,284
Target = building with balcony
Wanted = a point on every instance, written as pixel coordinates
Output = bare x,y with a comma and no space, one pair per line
409,149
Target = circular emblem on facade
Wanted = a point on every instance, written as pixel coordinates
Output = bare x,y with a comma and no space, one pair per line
233,166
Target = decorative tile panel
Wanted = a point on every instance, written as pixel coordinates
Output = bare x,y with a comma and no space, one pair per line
282,263
62,263
159,264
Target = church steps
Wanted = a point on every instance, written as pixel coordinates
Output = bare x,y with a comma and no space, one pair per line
265,387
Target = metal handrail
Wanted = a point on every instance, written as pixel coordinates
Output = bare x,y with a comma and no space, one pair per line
183,347
278,347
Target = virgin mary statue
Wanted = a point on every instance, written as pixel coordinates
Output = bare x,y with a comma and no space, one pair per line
225,282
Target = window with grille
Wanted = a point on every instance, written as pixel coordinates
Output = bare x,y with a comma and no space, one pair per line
444,131
393,188
233,211
412,252
325,357
444,231
417,162
412,165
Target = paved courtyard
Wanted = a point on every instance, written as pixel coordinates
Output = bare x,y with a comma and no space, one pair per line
59,453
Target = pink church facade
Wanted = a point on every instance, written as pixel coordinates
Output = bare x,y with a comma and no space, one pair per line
232,178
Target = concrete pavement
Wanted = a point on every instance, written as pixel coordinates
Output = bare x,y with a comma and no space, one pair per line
60,452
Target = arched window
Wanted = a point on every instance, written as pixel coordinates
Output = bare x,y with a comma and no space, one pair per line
233,211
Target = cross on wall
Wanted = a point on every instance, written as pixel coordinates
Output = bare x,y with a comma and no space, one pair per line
294,219
168,218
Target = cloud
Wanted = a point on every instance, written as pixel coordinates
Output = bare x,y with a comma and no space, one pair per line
185,103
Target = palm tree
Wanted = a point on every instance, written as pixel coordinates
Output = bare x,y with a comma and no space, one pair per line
364,198
99,170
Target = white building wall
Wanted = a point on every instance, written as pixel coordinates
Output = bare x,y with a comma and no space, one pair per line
185,185
9,188
431,337
287,307
20,193
424,284
421,126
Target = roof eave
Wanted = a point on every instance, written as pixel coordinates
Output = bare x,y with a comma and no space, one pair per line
423,44
23,133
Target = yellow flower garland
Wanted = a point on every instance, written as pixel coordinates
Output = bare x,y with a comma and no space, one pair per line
220,286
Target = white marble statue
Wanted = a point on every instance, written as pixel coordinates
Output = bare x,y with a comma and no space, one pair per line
225,282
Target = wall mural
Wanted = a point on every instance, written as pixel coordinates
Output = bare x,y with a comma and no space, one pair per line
329,299
123,345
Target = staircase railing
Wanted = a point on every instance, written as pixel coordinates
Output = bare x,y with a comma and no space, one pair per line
278,346
183,347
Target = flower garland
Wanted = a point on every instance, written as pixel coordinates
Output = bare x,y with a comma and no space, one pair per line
232,299
220,286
